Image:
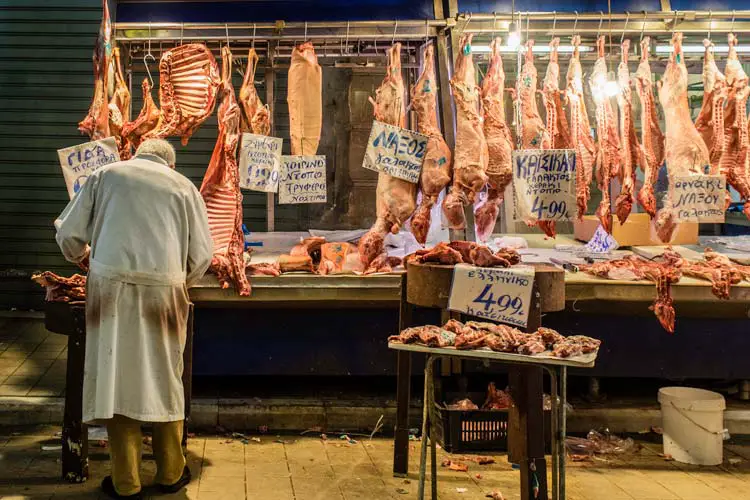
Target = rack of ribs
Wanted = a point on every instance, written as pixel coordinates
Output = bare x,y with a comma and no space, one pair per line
437,164
471,155
499,143
221,190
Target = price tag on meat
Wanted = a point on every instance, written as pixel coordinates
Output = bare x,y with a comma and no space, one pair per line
260,163
395,151
601,242
303,179
544,184
495,293
699,198
79,162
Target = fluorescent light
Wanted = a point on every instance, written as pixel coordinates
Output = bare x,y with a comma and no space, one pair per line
700,49
538,49
514,40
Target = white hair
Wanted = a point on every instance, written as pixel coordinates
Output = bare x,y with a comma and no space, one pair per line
160,148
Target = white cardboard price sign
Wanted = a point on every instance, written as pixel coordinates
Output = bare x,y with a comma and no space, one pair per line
260,163
79,162
395,151
497,294
303,179
699,198
602,242
544,184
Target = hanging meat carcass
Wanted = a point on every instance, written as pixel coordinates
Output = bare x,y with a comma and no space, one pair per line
686,153
396,198
221,190
652,138
437,164
583,143
119,108
256,118
533,131
471,155
608,155
96,122
305,100
710,121
734,158
632,154
146,121
499,143
188,83
558,132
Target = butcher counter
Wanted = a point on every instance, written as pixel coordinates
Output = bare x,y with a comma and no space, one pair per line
337,325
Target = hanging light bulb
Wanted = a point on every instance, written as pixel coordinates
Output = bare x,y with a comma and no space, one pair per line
514,37
611,88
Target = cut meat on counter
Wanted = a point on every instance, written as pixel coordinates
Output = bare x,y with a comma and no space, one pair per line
60,288
686,153
457,252
499,143
305,100
583,143
721,276
471,155
119,107
189,81
264,269
721,260
652,138
633,268
632,154
256,118
499,338
608,156
437,165
710,121
734,157
221,190
96,122
396,198
146,120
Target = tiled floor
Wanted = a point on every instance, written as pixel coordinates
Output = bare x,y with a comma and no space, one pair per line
32,360
295,468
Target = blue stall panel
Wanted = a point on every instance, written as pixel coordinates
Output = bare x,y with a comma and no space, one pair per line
268,10
505,6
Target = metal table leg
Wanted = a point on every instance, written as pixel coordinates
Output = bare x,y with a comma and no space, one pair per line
554,421
75,439
426,400
563,425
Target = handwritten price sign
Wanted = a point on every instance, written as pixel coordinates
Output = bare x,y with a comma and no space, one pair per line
395,151
79,162
699,198
303,179
260,163
544,184
497,294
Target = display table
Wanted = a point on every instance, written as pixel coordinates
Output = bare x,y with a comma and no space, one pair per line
532,465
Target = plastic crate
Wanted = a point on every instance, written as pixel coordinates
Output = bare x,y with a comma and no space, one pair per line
460,431
471,430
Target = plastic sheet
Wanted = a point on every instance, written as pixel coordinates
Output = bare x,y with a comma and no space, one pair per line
599,443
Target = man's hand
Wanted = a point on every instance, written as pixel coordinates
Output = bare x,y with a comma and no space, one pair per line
84,262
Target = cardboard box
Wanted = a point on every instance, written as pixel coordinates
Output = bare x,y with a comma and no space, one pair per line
637,231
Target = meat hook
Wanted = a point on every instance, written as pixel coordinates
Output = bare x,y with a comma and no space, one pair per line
643,26
710,14
182,31
395,27
252,44
303,41
147,56
734,12
575,23
554,23
226,30
601,20
426,30
625,28
674,23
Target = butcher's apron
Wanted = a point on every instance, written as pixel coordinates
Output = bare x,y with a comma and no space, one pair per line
136,325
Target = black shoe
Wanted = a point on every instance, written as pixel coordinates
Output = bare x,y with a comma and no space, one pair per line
181,483
109,488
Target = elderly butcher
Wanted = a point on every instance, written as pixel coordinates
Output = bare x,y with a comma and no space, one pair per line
149,241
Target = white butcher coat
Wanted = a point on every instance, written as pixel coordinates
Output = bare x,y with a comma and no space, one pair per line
149,236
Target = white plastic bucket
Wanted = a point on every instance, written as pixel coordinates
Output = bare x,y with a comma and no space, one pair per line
693,423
